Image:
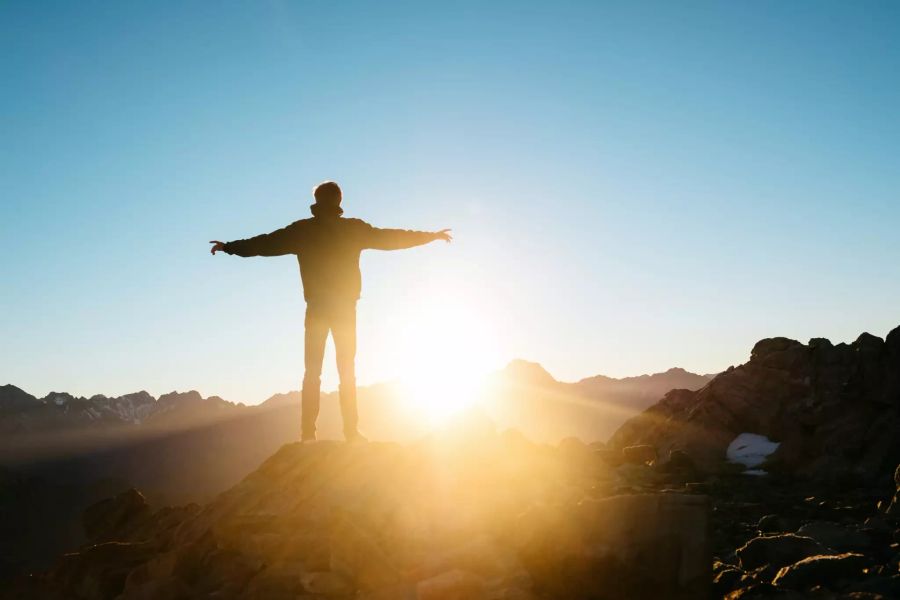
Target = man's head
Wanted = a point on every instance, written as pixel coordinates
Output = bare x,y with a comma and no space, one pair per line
328,199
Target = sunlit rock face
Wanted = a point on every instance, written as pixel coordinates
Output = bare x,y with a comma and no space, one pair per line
834,410
466,514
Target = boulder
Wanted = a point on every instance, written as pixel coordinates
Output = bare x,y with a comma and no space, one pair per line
679,468
679,460
630,546
726,580
836,536
776,524
777,551
827,570
639,455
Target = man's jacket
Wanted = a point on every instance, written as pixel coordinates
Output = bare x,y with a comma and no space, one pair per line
328,250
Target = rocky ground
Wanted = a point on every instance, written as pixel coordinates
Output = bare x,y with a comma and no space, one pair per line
492,516
472,514
775,539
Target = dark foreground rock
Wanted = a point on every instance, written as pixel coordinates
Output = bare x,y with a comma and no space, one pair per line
777,551
828,570
811,561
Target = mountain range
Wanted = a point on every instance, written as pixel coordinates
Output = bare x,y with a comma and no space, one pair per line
523,395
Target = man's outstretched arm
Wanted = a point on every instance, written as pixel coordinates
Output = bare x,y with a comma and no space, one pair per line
278,243
398,239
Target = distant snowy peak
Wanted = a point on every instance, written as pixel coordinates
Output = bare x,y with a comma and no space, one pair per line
22,412
131,408
58,398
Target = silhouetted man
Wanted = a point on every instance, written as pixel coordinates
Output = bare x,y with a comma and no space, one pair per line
328,248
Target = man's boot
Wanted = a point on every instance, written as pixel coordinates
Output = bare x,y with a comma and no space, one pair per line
349,413
309,408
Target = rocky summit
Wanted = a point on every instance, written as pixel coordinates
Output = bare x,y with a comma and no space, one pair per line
468,514
477,515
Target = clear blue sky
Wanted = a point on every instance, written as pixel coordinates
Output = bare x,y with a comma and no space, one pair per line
632,186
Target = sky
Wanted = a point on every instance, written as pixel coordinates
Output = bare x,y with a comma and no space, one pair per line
632,186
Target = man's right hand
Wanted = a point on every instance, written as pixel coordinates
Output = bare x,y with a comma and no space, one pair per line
217,247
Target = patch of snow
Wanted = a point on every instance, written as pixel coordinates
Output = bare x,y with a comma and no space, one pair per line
751,450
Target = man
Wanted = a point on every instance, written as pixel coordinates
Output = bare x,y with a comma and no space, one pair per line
327,247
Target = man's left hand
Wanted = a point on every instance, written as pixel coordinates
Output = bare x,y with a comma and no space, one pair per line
443,234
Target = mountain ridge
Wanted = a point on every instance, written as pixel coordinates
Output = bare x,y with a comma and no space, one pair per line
7,391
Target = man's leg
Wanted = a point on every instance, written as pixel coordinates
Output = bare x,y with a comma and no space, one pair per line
316,332
344,333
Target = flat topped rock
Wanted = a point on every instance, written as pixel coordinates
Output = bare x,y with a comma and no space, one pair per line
498,517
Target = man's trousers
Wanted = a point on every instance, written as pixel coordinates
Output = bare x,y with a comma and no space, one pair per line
338,317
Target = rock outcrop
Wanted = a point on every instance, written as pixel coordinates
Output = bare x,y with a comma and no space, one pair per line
495,517
183,448
834,411
486,517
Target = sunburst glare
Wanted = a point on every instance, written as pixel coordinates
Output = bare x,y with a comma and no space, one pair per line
449,347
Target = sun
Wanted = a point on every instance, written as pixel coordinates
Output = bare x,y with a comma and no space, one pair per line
449,348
